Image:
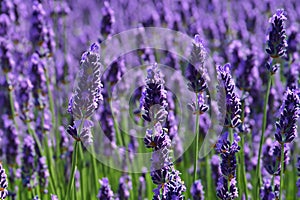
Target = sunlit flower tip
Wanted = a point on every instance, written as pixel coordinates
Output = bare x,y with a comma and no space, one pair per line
54,197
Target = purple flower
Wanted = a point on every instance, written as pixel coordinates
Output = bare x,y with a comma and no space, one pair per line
43,173
28,162
225,193
142,186
228,166
200,107
38,24
4,25
12,141
267,192
272,157
38,80
108,19
125,185
277,37
6,57
54,197
105,192
197,190
3,183
286,127
153,100
195,72
174,186
88,90
24,97
86,96
233,103
215,163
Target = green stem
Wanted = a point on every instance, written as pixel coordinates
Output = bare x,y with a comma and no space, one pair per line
281,171
208,176
74,167
243,167
37,140
197,141
263,129
81,170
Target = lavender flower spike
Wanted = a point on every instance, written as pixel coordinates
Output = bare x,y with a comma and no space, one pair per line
43,173
28,162
105,192
125,185
153,100
287,125
228,167
195,72
3,183
277,44
86,95
267,192
197,190
233,103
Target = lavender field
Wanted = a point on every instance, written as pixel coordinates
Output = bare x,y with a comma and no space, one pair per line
160,99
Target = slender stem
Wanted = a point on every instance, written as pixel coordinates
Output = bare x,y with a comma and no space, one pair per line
197,141
74,167
281,171
36,138
242,156
208,176
263,129
243,166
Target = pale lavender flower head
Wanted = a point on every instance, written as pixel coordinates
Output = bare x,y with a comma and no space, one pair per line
195,72
54,197
86,95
